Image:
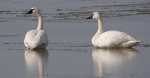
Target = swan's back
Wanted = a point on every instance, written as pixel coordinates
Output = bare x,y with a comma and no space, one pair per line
113,39
36,39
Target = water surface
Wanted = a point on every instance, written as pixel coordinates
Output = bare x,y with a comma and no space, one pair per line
70,54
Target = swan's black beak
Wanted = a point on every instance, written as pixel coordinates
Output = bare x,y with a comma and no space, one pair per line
30,11
90,17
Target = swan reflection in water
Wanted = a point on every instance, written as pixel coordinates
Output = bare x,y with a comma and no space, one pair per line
36,63
112,63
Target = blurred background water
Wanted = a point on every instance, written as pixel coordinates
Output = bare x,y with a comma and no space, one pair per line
70,54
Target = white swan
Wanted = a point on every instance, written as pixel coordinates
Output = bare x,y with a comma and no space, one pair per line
36,38
111,39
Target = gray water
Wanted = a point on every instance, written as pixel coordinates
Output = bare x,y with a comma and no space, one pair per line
70,54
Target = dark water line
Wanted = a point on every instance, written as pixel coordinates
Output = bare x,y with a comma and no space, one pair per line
81,13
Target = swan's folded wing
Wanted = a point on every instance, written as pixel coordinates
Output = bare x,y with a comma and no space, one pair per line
113,38
41,38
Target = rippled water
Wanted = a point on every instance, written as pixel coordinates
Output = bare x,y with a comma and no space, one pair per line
70,53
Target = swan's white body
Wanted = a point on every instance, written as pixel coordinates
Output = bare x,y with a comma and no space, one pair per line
36,38
111,39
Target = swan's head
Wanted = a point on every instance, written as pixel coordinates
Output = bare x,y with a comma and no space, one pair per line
34,11
95,15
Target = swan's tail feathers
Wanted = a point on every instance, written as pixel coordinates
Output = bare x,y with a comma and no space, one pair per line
131,43
134,43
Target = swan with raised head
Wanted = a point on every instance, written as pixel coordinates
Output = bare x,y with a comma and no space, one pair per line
36,38
112,38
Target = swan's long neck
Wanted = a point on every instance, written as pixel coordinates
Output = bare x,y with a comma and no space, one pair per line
100,25
99,30
40,23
